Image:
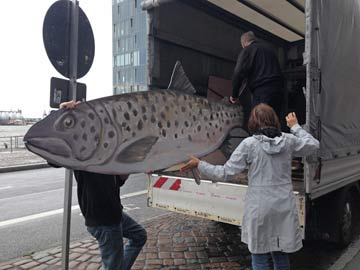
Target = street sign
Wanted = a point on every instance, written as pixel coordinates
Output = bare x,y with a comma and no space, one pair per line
56,37
60,92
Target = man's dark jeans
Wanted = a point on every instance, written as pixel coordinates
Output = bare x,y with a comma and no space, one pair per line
113,254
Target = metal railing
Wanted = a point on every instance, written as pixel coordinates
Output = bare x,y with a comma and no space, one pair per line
11,143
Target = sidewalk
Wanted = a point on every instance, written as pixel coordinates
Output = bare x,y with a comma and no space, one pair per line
174,242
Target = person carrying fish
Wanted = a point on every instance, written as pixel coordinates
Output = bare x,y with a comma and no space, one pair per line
259,67
100,204
270,225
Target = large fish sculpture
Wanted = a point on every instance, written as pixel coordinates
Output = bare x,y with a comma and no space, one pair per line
136,132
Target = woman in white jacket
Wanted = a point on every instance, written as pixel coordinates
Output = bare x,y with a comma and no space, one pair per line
270,225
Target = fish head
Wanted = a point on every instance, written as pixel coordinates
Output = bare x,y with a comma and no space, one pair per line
68,138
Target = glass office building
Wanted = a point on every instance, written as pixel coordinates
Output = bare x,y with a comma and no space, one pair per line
129,46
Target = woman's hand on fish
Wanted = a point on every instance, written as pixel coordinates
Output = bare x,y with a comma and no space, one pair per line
191,164
291,120
69,105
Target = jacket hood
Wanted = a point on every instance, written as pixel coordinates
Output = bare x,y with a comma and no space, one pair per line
271,145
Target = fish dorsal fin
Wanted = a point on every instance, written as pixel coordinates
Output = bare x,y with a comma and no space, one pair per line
137,151
179,81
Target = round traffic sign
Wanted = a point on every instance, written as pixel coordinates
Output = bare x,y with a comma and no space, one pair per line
56,36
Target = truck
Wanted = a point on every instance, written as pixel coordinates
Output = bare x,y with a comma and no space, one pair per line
317,45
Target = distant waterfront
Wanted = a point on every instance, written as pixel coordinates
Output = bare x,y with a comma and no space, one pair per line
7,131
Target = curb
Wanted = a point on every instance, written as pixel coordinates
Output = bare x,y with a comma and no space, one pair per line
23,167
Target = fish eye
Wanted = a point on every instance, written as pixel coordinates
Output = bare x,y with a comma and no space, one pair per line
69,122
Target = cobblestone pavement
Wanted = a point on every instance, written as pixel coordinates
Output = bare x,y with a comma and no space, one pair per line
174,242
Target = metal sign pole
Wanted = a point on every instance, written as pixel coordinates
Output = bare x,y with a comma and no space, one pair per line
74,18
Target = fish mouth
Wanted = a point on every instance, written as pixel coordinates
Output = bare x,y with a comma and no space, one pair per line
47,147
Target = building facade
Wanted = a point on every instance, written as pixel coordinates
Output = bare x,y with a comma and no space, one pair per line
129,46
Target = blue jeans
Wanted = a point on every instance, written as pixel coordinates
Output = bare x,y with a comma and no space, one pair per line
261,261
113,253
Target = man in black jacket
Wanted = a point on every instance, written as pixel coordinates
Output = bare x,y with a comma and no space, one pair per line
100,204
258,66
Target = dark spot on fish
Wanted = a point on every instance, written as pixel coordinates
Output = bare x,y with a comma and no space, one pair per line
163,116
199,128
106,145
182,131
189,137
153,108
176,123
146,96
217,115
128,128
129,105
194,118
208,135
214,133
205,118
144,117
227,122
183,109
92,129
210,124
186,123
160,124
83,123
220,129
200,112
123,124
164,98
84,136
153,119
91,116
168,124
163,132
143,109
83,148
140,125
133,134
106,120
185,97
216,126
135,99
175,136
96,138
101,110
190,106
76,137
114,113
111,134
127,116
211,117
135,112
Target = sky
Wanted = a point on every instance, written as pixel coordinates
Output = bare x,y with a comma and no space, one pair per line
25,69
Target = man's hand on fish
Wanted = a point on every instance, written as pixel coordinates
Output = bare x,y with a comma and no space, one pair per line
291,120
69,105
191,164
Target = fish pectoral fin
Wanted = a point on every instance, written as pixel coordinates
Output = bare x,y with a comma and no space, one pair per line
179,81
137,150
